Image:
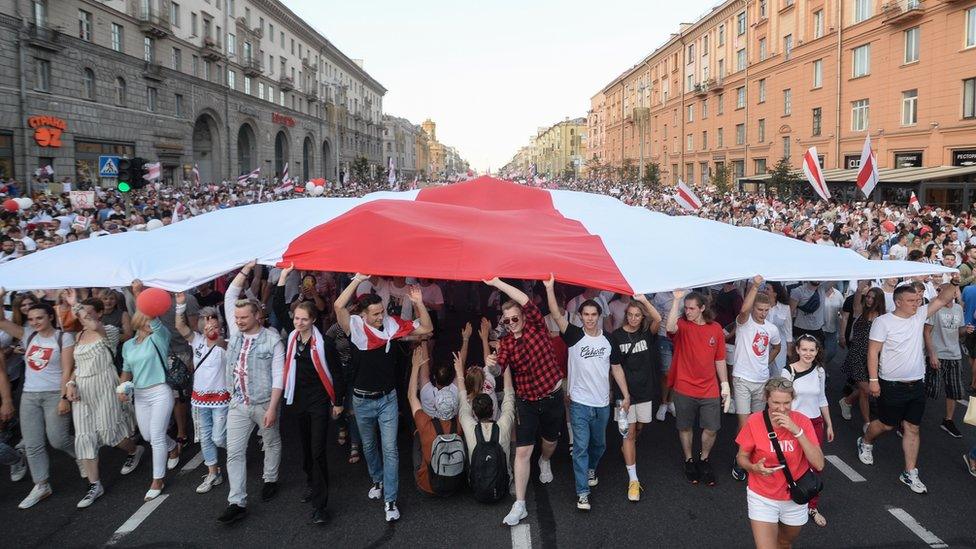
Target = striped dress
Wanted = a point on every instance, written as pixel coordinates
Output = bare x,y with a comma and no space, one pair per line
100,419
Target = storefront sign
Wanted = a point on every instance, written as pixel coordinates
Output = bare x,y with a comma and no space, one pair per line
964,158
47,130
908,159
852,161
282,119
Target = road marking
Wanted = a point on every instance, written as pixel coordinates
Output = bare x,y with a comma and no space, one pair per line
521,537
193,463
965,403
848,471
135,520
928,537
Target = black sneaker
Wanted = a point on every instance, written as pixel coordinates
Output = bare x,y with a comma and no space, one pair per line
738,473
949,426
707,476
319,517
269,491
232,514
307,494
691,471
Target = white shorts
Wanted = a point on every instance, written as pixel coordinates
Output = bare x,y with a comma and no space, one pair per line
640,413
763,509
748,396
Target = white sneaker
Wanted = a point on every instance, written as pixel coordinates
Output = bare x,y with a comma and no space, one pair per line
671,408
171,463
662,412
95,491
392,513
865,451
583,502
132,460
545,471
19,470
209,481
39,492
517,513
376,491
81,469
910,479
591,479
154,493
845,409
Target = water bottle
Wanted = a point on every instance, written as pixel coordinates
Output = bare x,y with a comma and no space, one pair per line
622,424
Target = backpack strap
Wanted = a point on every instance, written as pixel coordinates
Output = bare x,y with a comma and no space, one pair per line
31,338
437,426
495,432
479,437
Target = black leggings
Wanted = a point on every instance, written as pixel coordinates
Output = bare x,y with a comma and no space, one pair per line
313,425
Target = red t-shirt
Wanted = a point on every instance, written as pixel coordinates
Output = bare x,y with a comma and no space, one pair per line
754,438
696,349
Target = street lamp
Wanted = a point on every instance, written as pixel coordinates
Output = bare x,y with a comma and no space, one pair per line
640,114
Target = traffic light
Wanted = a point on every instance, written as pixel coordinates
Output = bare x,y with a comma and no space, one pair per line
130,174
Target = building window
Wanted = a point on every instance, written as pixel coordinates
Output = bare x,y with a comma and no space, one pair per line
691,112
761,131
271,31
787,102
43,74
912,45
120,91
177,59
862,10
117,37
231,79
147,49
720,138
691,54
270,95
969,98
704,140
174,14
281,34
971,27
704,108
721,103
909,107
691,82
859,115
740,97
207,66
762,49
40,13
818,24
232,45
151,99
740,134
690,173
260,90
738,169
760,166
179,105
247,85
721,34
740,60
196,66
818,73
740,23
84,25
281,98
762,90
786,147
862,60
247,16
88,84
787,46
817,121
193,24
762,9
721,68
690,141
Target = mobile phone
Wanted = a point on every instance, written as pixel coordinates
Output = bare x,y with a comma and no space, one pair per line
776,467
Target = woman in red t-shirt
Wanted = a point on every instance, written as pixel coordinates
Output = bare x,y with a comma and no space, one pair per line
775,518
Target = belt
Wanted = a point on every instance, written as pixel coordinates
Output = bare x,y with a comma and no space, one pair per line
370,395
904,382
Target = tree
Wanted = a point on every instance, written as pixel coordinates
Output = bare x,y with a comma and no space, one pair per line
784,180
722,178
627,171
652,175
360,169
569,172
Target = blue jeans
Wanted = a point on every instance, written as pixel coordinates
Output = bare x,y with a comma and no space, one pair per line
666,348
380,413
9,455
589,426
830,347
213,432
972,453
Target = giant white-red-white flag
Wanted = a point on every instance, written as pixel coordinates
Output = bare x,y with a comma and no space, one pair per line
686,198
811,168
913,202
867,175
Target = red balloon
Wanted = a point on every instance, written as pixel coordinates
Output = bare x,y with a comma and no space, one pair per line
153,302
11,205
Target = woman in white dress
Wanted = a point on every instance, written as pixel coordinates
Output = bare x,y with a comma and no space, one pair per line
781,317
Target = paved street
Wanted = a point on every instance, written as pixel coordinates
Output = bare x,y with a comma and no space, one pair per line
671,513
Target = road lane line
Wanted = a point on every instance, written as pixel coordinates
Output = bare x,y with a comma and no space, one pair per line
135,520
193,463
928,537
521,537
848,471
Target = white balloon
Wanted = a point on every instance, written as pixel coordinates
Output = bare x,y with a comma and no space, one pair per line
153,224
318,190
28,202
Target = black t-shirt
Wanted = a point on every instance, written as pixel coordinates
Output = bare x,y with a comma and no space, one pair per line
375,370
309,391
213,299
848,308
640,359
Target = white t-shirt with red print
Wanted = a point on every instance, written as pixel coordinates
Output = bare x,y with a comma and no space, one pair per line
752,343
42,358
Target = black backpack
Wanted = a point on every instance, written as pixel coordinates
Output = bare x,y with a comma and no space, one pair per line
488,475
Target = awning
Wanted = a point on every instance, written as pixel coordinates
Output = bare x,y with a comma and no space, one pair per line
886,175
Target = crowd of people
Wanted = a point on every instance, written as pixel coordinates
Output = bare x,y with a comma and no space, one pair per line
86,368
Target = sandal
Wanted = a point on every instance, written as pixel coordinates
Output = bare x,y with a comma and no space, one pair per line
343,435
354,455
818,519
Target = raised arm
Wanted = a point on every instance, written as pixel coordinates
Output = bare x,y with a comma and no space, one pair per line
677,296
233,293
512,292
559,317
947,292
483,332
278,304
419,359
341,312
417,298
750,299
651,312
8,326
181,325
465,341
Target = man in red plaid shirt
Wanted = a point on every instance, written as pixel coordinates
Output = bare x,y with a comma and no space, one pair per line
527,350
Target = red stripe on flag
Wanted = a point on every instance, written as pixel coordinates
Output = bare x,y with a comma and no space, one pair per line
688,198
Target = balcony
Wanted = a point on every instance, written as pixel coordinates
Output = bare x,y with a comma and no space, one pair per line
257,32
152,71
715,84
312,96
154,24
902,11
44,38
700,89
211,50
251,67
286,83
309,64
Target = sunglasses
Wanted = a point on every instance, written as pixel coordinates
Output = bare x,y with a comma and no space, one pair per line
509,320
781,383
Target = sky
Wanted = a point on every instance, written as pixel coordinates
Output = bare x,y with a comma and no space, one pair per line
491,73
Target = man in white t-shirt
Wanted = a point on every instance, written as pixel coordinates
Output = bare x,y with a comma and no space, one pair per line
757,343
592,357
896,375
899,250
395,293
601,298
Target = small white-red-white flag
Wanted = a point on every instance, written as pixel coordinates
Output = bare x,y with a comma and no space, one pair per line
913,202
686,198
196,174
179,212
867,175
811,168
153,171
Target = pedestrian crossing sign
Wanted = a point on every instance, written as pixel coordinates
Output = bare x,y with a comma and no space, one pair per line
108,166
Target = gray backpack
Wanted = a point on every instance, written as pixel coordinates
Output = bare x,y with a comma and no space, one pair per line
447,460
